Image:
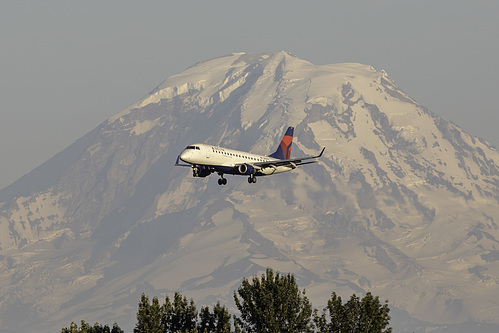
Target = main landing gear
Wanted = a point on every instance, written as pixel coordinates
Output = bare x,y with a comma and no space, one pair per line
222,180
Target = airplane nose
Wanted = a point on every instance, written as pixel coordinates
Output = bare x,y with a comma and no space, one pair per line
184,155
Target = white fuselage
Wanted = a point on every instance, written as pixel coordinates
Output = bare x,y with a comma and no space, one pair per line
226,160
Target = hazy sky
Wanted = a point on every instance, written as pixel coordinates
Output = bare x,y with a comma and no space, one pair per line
66,66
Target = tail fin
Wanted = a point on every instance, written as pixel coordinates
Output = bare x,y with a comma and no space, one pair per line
283,152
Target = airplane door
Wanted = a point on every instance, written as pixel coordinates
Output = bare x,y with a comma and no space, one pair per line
208,152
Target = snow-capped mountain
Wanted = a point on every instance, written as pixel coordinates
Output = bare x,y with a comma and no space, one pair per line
403,203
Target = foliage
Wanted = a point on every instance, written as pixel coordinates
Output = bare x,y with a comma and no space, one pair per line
149,316
180,316
218,321
355,316
273,303
86,328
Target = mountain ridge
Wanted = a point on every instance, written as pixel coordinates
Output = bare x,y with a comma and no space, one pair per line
403,203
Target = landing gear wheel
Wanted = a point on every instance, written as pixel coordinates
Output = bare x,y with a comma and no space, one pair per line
251,179
222,181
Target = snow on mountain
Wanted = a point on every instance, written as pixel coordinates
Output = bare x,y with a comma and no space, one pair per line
403,203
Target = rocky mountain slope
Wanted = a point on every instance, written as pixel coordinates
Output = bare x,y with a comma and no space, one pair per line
403,203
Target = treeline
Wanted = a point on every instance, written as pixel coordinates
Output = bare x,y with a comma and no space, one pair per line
270,303
86,328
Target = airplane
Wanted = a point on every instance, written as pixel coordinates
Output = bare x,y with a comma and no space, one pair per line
205,159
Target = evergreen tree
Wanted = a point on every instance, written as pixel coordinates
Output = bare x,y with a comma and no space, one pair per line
86,328
216,322
273,303
374,316
207,320
353,311
73,328
355,316
179,316
222,319
338,314
116,329
237,328
149,316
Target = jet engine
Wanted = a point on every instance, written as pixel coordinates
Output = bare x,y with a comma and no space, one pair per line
246,169
200,171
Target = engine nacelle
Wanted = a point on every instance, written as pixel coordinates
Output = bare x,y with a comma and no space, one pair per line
200,171
246,169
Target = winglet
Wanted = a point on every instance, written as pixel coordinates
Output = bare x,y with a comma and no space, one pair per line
322,151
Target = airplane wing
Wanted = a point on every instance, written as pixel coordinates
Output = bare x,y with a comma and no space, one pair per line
293,162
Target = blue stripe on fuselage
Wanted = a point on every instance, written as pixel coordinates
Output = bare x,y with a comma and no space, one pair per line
231,170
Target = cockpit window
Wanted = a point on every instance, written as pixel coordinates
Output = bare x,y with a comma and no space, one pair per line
193,147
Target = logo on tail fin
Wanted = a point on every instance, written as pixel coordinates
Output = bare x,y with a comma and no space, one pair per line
283,152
